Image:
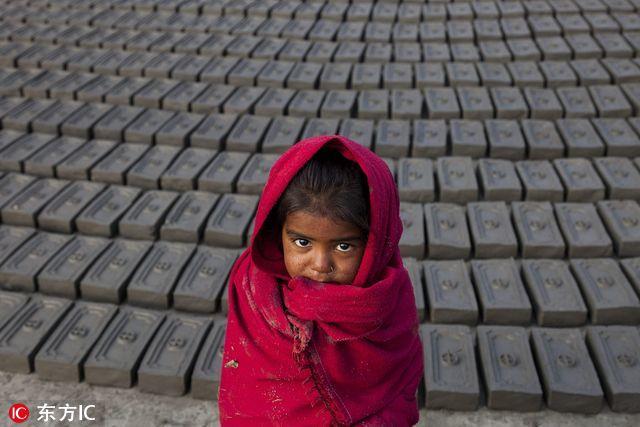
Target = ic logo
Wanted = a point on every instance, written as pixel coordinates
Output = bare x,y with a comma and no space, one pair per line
19,413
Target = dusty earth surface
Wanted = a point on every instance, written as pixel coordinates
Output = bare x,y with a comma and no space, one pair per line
129,407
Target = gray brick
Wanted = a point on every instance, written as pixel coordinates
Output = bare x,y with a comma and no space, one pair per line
451,298
537,230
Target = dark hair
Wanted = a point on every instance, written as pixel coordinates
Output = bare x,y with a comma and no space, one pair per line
328,185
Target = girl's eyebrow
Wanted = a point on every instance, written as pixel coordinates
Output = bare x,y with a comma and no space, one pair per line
343,239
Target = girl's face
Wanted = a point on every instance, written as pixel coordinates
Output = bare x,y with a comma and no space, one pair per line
320,249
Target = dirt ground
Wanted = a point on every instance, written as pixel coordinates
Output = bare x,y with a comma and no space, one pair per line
130,407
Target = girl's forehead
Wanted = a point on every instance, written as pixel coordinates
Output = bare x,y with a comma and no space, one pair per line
319,227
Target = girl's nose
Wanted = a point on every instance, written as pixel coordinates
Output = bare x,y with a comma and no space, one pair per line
321,263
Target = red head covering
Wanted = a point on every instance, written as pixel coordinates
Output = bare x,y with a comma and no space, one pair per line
301,352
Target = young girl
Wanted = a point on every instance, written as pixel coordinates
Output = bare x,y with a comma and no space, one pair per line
322,326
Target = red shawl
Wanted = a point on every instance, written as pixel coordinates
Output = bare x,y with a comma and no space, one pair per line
300,352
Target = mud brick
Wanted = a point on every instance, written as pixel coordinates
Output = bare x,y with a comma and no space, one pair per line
537,230
201,284
448,236
185,221
451,378
494,52
514,27
459,31
142,41
335,76
222,173
557,74
475,103
218,69
622,217
9,103
156,276
614,350
485,10
108,276
543,141
14,156
373,104
96,90
21,117
378,52
509,103
499,180
191,43
491,230
580,138
212,131
316,127
114,166
415,274
242,100
294,50
366,76
523,52
406,104
461,74
178,130
632,92
338,104
270,46
568,375
618,136
282,134
118,351
434,12
13,184
247,134
20,269
622,70
408,51
392,138
12,51
124,92
162,66
590,72
10,304
254,175
397,76
360,131
456,179
610,101
526,74
306,103
61,275
229,221
67,87
182,96
109,63
583,230
580,179
441,103
60,213
415,180
614,45
168,363
487,29
8,137
505,139
24,334
467,138
183,173
493,74
145,127
584,47
148,169
576,102
540,181
323,30
543,103
211,99
113,124
450,294
38,87
554,293
436,52
511,379
620,177
101,216
554,48
152,94
25,207
412,243
12,84
143,220
608,293
432,31
81,123
428,75
205,379
275,74
246,71
304,76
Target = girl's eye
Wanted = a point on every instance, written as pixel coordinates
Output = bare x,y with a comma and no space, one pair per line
304,242
344,247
